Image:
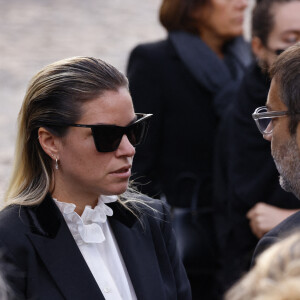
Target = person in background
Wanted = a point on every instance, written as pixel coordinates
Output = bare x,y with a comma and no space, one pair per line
187,81
275,276
246,175
71,227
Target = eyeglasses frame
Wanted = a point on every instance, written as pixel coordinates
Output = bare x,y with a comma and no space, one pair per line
141,115
264,115
140,118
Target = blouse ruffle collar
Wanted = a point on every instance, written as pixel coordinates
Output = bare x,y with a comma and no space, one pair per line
87,228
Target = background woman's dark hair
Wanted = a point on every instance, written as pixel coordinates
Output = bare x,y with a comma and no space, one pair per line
176,14
54,96
263,18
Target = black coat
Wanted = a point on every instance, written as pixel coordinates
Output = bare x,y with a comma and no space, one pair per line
246,174
47,263
178,152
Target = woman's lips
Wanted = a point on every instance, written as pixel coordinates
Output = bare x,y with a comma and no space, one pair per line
122,172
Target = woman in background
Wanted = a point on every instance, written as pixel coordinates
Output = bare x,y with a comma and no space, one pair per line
68,228
187,81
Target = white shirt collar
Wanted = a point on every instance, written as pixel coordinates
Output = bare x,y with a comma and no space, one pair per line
87,228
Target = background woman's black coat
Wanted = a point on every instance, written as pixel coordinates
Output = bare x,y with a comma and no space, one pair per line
181,135
188,88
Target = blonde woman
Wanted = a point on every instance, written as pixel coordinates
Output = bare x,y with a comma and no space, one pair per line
275,276
68,228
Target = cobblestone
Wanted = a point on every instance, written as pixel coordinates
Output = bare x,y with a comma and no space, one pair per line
34,33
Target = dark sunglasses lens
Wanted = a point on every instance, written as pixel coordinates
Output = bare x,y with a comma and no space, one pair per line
107,139
136,132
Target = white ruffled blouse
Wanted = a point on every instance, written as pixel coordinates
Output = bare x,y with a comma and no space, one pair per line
99,248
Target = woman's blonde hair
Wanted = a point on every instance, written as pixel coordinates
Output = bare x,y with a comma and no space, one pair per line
54,96
275,276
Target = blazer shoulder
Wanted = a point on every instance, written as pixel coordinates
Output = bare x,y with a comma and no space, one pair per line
13,224
158,215
11,216
153,207
152,211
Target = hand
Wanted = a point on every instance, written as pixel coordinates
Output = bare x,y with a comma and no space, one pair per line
263,217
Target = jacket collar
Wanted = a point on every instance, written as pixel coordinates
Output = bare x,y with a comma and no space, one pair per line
58,250
59,253
123,215
206,67
45,219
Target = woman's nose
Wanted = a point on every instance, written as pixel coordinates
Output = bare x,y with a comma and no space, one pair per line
125,148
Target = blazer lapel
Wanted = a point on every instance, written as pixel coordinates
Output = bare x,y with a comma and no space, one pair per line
60,254
138,252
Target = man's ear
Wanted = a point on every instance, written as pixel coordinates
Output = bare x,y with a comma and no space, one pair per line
258,48
49,142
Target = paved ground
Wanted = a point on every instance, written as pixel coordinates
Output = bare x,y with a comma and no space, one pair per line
34,33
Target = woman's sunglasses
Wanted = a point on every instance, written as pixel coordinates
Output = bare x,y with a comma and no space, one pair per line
107,138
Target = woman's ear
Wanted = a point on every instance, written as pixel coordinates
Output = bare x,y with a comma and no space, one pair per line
49,142
259,50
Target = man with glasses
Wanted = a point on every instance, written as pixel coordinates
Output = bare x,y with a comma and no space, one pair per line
278,121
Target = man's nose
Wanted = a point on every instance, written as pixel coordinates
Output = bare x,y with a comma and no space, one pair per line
268,136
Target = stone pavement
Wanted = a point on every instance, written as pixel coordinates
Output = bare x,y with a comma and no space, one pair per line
34,33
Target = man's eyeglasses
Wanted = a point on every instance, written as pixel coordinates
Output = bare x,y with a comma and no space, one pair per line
107,138
263,118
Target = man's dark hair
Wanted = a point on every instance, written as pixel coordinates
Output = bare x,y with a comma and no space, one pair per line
286,72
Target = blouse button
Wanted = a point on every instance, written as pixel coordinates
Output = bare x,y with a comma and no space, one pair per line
107,290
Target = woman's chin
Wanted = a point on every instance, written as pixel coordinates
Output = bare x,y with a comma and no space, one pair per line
118,190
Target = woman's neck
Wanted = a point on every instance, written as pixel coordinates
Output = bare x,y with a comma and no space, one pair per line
214,42
72,195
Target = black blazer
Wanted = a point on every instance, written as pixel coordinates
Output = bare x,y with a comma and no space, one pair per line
47,264
180,139
282,230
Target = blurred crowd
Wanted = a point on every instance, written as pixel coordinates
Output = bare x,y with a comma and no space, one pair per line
204,154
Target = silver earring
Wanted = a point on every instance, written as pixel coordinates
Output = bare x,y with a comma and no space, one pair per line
56,163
